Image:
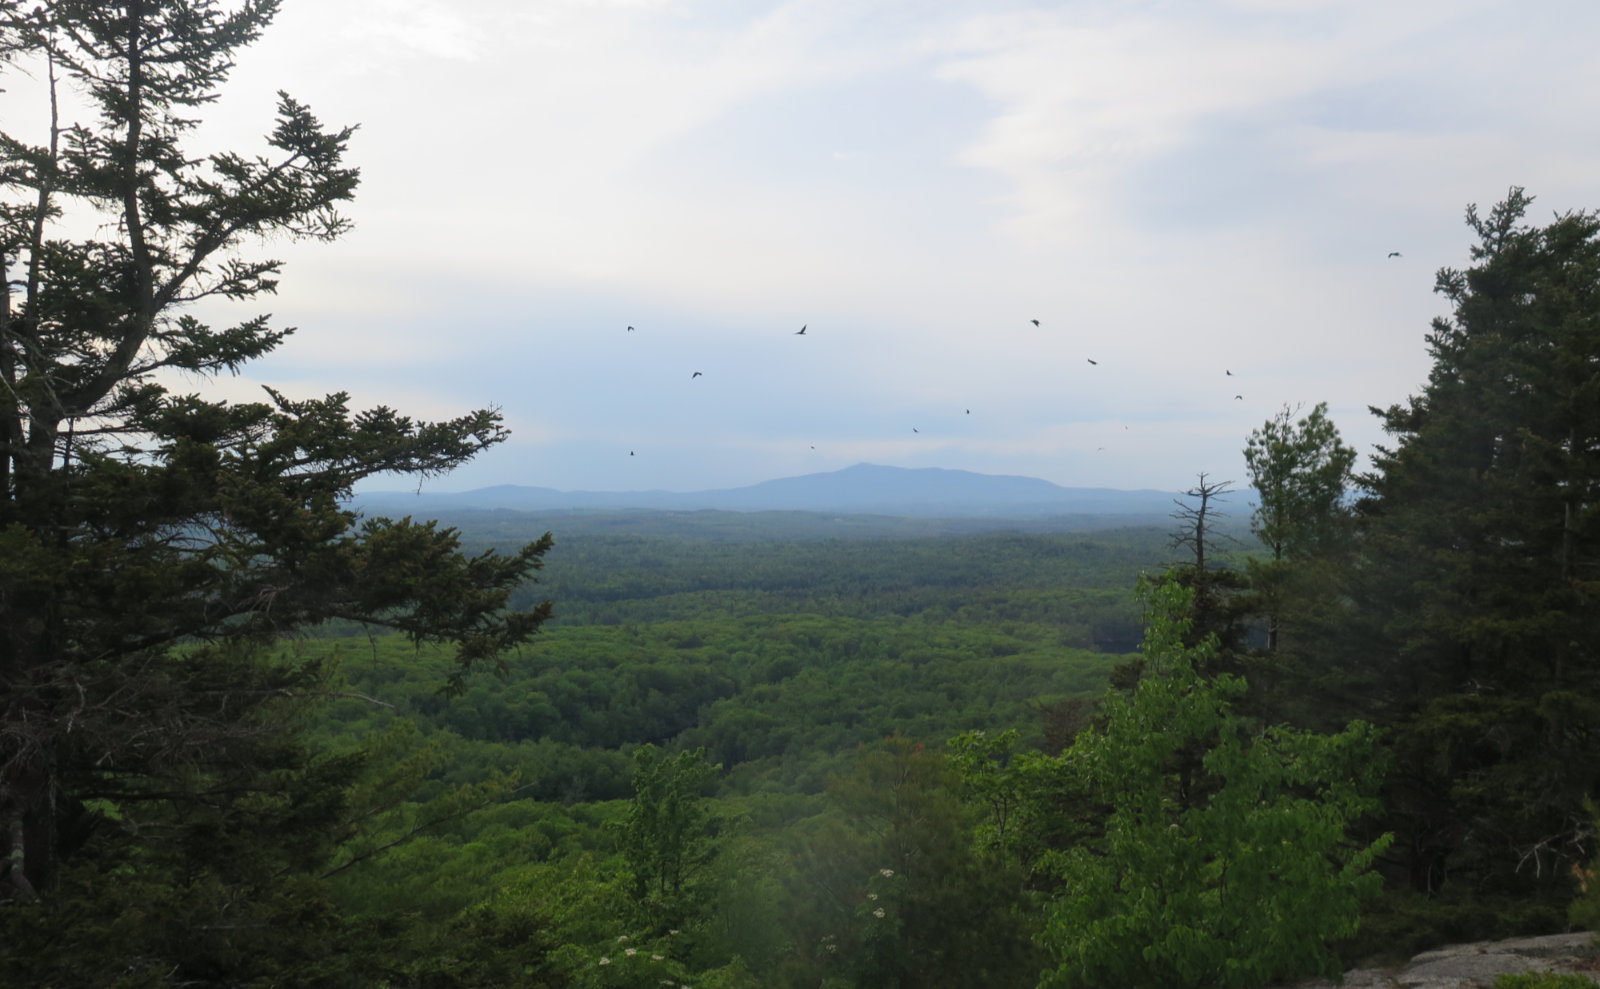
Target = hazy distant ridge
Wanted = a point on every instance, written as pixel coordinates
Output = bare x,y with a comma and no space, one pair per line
864,488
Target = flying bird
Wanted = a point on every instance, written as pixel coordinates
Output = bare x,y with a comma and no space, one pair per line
630,453
1239,397
915,429
1227,372
630,329
1394,254
1091,360
802,330
1035,322
969,412
694,375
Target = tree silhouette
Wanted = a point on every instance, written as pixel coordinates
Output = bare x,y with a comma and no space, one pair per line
154,542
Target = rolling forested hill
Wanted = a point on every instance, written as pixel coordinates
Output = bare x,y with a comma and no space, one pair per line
671,638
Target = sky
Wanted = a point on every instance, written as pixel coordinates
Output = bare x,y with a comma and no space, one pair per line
1174,190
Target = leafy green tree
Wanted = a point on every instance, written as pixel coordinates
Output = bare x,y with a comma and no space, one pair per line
1301,471
667,836
151,541
1479,576
1235,876
998,777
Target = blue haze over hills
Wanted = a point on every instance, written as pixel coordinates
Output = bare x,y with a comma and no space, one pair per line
926,492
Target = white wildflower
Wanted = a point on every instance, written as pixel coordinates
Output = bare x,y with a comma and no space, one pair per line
878,912
673,931
657,958
886,873
631,952
604,960
621,938
872,896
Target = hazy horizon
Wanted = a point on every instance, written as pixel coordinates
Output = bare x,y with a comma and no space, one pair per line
435,487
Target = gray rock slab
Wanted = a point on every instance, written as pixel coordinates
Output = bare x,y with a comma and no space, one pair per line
1475,965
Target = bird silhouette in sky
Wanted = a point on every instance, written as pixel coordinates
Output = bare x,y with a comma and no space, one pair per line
802,330
1239,397
694,375
1091,360
915,429
1227,372
1394,254
630,329
630,453
1035,322
969,412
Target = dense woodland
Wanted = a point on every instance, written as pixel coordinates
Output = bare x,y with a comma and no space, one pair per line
250,738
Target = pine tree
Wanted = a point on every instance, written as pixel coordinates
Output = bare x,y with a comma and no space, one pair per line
152,541
1479,575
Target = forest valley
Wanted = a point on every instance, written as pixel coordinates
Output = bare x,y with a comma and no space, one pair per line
248,738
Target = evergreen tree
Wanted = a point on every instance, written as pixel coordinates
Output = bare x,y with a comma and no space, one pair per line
1479,575
152,541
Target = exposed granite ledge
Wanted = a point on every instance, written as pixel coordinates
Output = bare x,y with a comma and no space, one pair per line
1474,966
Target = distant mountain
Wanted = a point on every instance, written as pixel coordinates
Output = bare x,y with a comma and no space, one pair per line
924,492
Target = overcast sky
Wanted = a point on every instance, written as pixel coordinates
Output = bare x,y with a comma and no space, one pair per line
1172,189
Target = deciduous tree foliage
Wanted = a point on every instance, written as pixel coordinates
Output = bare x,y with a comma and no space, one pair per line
1301,472
666,836
1480,566
151,538
1235,875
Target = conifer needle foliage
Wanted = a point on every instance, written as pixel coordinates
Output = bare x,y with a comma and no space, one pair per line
152,538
